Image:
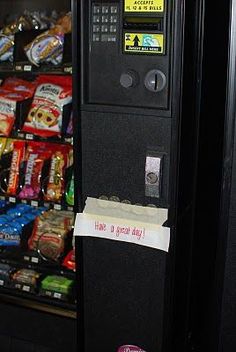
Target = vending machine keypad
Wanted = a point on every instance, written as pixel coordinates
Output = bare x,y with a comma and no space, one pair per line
105,19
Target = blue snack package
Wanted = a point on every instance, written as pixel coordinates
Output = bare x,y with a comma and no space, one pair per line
9,236
22,221
23,208
29,216
14,212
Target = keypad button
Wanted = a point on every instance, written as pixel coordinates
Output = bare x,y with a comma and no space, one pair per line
96,28
105,19
111,38
104,37
108,38
105,9
96,37
114,9
104,28
113,19
96,19
96,9
113,29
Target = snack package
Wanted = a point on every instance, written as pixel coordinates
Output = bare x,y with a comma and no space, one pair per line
5,271
46,112
25,277
12,91
17,85
70,192
49,234
6,47
13,222
9,235
17,157
56,180
69,130
57,284
35,157
9,146
69,261
7,38
8,102
3,142
48,46
21,23
27,21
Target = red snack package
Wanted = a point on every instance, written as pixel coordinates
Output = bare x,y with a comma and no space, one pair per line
14,84
56,181
8,101
45,116
69,261
35,160
17,157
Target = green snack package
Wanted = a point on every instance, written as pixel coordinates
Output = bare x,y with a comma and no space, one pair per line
58,284
70,192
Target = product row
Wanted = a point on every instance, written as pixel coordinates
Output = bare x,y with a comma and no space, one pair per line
39,171
40,234
31,281
37,38
41,107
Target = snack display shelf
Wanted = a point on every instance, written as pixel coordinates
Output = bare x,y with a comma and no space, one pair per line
32,137
37,203
37,263
26,68
40,303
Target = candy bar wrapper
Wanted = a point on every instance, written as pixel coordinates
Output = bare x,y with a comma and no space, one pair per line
17,157
46,113
35,161
56,180
9,146
3,142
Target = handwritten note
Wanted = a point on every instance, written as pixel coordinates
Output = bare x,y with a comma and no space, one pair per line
99,221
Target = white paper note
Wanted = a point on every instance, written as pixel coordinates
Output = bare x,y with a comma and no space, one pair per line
124,222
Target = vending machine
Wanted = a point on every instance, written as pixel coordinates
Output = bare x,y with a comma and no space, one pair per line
37,265
138,71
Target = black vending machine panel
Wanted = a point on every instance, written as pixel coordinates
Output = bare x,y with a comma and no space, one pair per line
130,103
131,61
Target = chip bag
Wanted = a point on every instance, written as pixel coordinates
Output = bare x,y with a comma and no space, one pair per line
17,85
46,113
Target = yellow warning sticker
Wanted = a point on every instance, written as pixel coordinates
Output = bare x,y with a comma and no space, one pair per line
146,43
144,5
